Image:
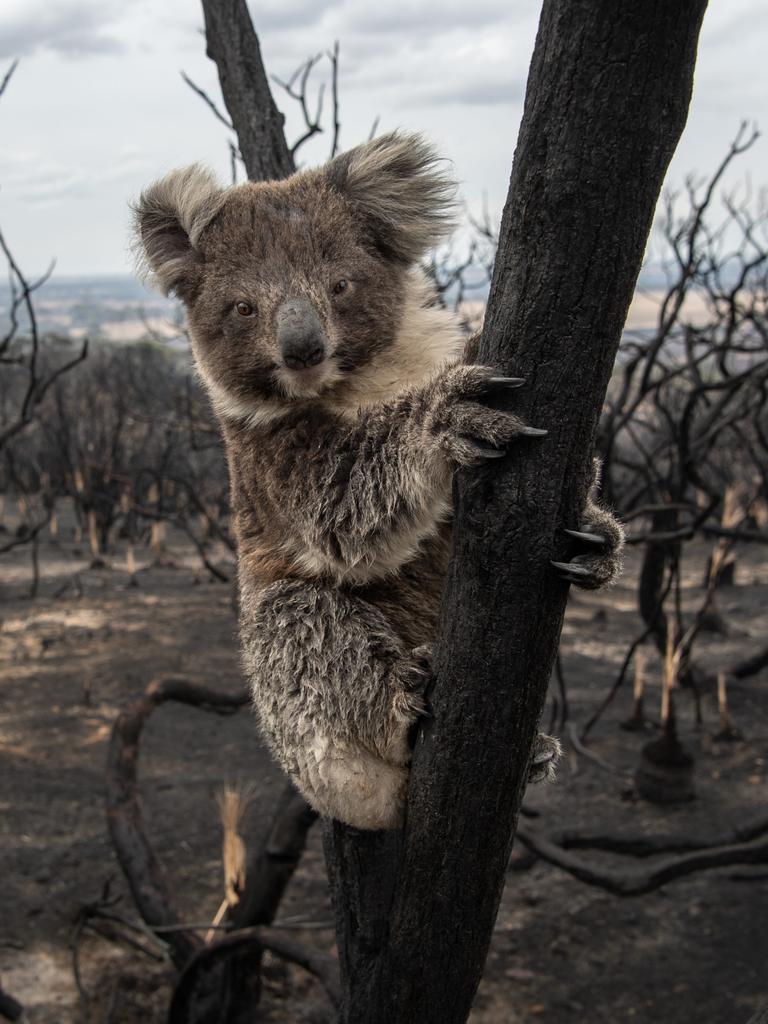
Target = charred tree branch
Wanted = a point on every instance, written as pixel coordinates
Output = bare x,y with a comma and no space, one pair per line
256,940
638,883
124,817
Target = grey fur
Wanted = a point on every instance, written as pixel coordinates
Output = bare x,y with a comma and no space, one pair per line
169,218
396,186
340,473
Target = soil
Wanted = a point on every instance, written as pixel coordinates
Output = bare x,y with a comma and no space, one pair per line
562,952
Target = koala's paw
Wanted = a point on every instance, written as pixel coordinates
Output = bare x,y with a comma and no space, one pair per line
416,677
466,430
413,679
546,754
595,557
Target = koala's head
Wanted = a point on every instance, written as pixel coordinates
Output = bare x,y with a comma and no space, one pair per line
292,286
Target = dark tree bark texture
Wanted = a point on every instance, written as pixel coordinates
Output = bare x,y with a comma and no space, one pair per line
607,100
233,44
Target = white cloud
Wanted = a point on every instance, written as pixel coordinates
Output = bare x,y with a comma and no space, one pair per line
79,138
399,17
73,28
296,15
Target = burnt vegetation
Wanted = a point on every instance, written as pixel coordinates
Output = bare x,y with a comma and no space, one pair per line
123,439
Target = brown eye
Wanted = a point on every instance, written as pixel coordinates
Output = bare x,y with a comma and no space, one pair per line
244,308
340,286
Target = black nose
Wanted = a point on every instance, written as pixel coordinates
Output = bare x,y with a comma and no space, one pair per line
300,334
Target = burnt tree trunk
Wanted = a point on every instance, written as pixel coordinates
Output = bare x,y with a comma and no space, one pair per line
657,559
233,44
607,99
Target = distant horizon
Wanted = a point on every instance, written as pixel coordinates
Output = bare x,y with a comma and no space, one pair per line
120,308
652,267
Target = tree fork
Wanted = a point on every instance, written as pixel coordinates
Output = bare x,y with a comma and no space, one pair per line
607,99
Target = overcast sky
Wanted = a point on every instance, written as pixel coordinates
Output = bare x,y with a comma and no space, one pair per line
97,108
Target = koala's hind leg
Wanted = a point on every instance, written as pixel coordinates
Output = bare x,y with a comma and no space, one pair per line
336,693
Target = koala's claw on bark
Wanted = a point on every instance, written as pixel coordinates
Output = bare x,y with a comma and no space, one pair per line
597,545
420,671
546,753
466,430
590,539
416,679
596,560
484,451
579,575
505,382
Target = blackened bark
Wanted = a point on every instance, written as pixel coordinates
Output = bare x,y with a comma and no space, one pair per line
234,46
607,99
657,558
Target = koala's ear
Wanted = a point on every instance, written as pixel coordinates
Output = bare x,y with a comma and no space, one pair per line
168,220
397,185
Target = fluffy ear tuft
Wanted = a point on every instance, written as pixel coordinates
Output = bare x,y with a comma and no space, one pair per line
168,220
396,184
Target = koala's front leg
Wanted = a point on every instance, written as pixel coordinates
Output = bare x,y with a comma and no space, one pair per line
597,544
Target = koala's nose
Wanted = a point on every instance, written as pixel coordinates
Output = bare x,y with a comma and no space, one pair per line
300,334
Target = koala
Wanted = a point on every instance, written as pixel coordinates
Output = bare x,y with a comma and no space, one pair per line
347,399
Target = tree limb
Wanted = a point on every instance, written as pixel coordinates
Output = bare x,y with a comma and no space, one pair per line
638,882
124,817
322,966
652,845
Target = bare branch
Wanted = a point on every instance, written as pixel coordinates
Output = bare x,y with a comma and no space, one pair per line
137,859
637,883
208,101
8,75
323,967
334,59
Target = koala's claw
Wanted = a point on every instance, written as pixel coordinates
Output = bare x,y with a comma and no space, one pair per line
571,572
416,679
484,451
546,753
505,382
423,656
595,560
585,537
463,420
419,672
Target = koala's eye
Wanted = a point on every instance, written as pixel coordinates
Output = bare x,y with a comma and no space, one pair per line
244,308
341,286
